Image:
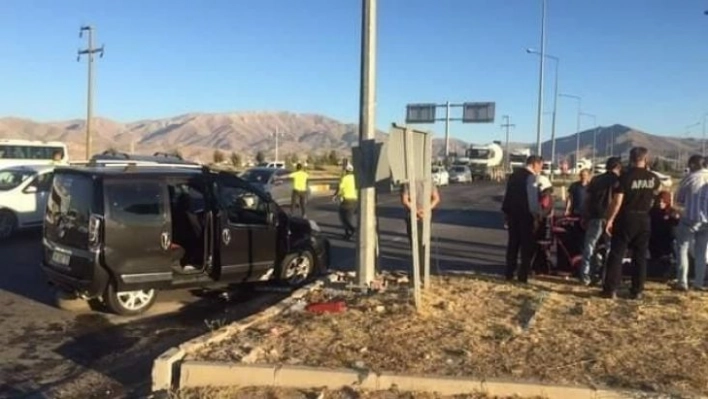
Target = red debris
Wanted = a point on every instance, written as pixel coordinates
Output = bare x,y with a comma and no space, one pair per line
327,307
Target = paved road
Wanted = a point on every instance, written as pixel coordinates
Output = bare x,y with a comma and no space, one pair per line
94,354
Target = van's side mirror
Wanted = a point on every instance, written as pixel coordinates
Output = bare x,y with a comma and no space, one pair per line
30,190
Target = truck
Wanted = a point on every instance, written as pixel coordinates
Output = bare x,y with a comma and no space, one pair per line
517,158
486,161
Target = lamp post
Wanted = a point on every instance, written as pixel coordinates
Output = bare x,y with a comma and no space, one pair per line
539,113
577,134
594,133
555,105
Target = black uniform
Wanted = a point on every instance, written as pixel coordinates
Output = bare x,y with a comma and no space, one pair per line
521,225
632,227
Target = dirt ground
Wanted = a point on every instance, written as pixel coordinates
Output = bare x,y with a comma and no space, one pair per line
554,331
345,393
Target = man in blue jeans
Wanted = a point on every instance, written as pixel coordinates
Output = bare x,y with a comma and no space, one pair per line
692,200
598,195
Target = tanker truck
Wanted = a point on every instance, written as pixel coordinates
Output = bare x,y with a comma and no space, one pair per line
485,161
517,158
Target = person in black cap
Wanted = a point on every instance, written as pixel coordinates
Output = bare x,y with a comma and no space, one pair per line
598,196
628,223
522,214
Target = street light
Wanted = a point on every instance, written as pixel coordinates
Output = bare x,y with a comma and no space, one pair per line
555,104
577,135
539,114
594,133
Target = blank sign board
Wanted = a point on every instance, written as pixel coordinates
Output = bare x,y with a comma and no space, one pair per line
420,113
478,112
396,148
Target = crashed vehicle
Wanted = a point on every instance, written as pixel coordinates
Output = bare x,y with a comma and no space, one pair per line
119,233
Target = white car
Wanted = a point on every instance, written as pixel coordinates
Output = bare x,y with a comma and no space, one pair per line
23,197
440,176
666,181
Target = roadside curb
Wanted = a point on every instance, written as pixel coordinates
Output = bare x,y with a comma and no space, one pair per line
220,374
166,367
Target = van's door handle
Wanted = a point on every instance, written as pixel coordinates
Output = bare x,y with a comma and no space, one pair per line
165,240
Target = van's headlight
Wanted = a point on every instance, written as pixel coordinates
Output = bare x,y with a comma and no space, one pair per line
314,226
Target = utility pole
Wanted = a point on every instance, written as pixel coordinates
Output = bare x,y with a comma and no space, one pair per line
447,133
507,125
703,137
366,244
89,52
539,114
277,143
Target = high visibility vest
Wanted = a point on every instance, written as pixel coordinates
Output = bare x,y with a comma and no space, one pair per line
299,180
347,188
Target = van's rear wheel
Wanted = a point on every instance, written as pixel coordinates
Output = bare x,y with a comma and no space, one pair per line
8,224
128,303
297,268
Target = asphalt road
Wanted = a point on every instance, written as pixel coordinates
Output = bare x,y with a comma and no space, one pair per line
48,351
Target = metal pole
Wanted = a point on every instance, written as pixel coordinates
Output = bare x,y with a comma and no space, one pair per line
507,125
366,244
447,132
89,52
539,114
577,136
553,126
594,143
703,138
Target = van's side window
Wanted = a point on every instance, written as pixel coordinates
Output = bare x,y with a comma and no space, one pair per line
243,206
135,202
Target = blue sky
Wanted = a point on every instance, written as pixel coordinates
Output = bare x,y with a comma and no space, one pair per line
637,62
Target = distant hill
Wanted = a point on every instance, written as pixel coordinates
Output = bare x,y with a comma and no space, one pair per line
197,135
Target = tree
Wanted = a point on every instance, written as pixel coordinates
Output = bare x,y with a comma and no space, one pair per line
333,158
260,157
236,159
218,156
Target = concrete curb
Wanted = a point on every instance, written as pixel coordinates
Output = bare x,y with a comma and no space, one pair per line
166,368
199,374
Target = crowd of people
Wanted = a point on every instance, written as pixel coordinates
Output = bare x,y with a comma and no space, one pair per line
627,207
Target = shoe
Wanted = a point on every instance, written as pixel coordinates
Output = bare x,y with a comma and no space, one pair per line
676,286
609,294
637,296
585,281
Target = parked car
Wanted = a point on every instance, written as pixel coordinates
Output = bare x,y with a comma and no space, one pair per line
274,165
271,180
440,176
460,174
23,197
120,234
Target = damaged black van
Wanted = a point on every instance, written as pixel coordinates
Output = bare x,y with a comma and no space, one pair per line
120,233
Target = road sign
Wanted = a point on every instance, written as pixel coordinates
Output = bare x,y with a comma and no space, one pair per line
397,150
420,113
478,112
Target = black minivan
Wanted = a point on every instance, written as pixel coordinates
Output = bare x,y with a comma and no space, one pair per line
120,233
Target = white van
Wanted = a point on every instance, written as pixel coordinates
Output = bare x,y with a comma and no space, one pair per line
27,152
23,197
275,165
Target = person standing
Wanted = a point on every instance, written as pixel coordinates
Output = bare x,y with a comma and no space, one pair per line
347,196
629,225
576,195
522,214
299,195
598,194
420,208
692,201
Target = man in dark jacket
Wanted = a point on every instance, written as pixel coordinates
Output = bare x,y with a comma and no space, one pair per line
522,211
598,196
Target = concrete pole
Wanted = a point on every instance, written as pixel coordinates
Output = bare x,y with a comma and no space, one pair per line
447,133
539,114
366,244
89,52
276,134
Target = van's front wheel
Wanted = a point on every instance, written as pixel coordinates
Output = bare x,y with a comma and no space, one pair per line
297,267
128,303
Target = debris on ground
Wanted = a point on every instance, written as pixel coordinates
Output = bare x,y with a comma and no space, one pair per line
479,327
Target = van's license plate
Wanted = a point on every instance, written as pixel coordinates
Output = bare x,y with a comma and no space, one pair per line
60,258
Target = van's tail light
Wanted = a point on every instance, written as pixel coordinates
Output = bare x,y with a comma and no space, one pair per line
94,231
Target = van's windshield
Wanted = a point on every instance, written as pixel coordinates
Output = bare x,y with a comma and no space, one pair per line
12,178
69,209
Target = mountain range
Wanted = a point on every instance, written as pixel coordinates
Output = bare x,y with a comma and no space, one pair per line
197,135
